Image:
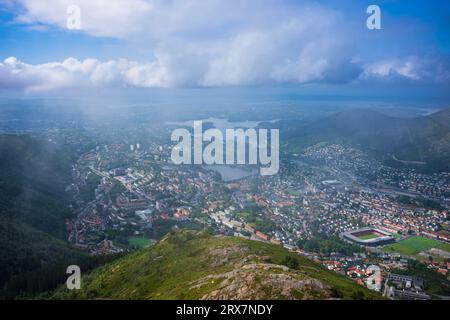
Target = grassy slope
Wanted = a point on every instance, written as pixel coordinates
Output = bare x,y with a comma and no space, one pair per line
169,269
33,251
139,242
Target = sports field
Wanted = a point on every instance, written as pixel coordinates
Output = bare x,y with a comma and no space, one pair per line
414,245
368,236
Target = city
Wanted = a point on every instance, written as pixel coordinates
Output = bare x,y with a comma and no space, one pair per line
320,194
251,153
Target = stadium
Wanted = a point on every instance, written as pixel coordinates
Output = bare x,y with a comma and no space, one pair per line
369,237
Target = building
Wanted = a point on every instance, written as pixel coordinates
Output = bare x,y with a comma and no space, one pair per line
131,204
262,236
374,281
371,237
120,172
406,281
146,217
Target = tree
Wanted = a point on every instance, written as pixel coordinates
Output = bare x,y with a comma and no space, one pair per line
290,262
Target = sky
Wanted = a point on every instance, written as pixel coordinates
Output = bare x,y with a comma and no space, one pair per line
311,47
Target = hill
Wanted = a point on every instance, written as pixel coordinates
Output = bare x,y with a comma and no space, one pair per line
423,142
33,207
33,176
196,265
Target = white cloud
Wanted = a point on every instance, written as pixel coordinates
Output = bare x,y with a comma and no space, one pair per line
208,43
196,67
412,68
72,73
105,18
142,18
15,74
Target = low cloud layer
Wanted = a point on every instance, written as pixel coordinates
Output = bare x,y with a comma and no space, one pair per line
425,69
92,73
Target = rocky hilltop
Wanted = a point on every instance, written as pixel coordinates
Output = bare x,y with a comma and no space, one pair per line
197,265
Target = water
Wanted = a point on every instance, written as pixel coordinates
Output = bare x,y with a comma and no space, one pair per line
229,173
222,124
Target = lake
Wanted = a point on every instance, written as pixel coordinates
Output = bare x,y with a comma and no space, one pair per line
229,173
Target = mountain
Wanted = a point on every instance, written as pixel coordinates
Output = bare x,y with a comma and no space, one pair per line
422,142
33,207
33,176
196,265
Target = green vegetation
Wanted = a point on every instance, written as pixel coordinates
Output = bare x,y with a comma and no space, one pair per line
414,245
140,242
33,207
420,202
435,283
368,237
395,235
116,190
423,139
444,246
326,246
87,192
252,216
191,265
293,192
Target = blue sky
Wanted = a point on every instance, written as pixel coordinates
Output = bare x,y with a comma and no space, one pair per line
315,46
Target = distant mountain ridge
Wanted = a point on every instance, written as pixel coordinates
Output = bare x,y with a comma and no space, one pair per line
424,139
